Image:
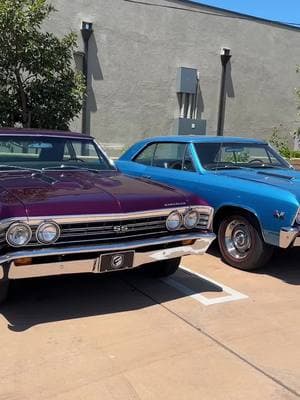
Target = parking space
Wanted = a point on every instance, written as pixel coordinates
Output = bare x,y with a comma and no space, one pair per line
208,332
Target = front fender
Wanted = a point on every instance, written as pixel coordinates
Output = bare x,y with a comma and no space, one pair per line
271,214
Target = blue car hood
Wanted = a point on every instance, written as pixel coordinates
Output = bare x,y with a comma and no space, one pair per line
286,179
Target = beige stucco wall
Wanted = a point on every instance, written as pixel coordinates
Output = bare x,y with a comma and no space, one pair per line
135,52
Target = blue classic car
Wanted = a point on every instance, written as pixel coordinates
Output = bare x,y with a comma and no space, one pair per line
255,192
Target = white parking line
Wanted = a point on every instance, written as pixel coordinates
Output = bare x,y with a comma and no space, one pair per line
231,294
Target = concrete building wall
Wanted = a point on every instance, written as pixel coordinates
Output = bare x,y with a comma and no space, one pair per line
137,47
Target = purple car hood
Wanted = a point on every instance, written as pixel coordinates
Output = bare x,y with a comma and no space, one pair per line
82,192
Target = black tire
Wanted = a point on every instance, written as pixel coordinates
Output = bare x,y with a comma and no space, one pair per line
163,268
241,243
4,286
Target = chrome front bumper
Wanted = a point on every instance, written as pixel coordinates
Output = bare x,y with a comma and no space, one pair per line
92,264
289,237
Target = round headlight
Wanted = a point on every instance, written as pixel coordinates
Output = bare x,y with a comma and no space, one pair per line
191,219
174,221
18,234
298,218
48,232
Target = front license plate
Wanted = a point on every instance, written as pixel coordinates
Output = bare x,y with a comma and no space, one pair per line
116,261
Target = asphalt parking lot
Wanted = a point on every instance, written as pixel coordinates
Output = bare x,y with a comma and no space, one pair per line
209,332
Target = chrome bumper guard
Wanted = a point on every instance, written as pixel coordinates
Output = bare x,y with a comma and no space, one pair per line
289,237
92,264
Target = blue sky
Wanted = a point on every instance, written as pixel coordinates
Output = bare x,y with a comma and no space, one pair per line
284,10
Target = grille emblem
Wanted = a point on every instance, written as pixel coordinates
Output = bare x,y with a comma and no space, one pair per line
121,228
117,261
279,214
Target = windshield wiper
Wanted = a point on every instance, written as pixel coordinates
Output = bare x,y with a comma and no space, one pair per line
219,167
3,166
264,166
63,166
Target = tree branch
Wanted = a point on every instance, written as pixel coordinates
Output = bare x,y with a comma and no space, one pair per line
28,78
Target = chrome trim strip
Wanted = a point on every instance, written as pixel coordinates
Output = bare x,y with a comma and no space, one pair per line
54,251
52,269
93,265
65,239
73,219
294,220
296,242
211,212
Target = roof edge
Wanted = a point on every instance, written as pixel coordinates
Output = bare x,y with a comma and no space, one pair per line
242,15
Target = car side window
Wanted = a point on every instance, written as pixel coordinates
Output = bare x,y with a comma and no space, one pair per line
169,155
145,157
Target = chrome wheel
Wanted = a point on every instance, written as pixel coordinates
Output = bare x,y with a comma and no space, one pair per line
238,239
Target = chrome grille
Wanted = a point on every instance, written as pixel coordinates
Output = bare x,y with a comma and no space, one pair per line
110,231
203,221
115,230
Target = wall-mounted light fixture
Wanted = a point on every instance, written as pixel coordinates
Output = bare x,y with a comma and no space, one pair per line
225,58
86,32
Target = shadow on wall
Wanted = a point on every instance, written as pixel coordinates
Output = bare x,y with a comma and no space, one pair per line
199,106
229,91
200,102
94,74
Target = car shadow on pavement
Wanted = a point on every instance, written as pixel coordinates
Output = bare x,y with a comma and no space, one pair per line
33,302
284,264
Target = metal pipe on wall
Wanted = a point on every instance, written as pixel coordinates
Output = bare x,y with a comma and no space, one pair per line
86,32
196,97
184,96
189,108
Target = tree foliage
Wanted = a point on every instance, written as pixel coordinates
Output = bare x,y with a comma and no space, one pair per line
281,141
38,86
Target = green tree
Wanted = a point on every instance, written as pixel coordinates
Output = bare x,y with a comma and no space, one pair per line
38,86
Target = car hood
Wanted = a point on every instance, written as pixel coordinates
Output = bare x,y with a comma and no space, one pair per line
286,179
84,192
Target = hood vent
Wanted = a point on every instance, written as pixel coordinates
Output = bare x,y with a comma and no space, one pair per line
289,178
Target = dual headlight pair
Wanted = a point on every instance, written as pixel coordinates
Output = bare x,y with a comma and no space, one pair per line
19,234
177,220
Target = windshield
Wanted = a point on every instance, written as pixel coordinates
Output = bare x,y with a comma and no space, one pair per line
215,156
37,152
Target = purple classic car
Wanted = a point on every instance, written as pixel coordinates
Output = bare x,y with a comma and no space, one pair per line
66,209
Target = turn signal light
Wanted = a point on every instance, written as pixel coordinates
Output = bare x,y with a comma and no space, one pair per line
23,261
188,242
